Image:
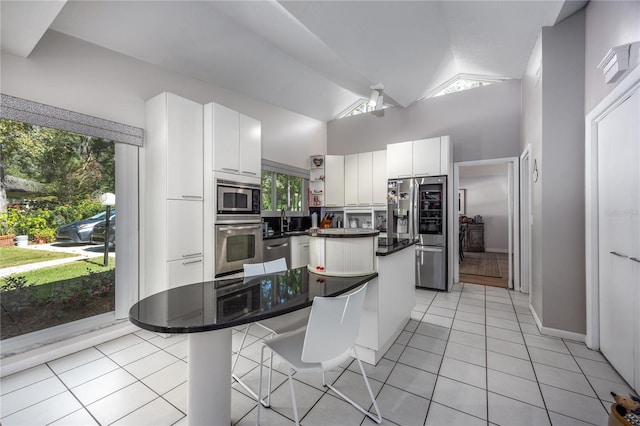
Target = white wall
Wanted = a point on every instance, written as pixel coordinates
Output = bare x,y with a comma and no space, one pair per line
72,74
487,196
483,123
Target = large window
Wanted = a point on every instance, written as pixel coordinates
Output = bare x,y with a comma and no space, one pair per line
283,187
281,191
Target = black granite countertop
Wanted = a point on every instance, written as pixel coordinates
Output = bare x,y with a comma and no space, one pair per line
343,232
394,247
215,305
284,235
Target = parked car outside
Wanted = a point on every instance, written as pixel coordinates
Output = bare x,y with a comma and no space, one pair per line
80,231
97,237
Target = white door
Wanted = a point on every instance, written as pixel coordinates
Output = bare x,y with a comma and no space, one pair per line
226,139
184,229
619,235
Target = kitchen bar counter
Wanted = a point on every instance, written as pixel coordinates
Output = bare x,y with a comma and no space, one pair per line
386,250
208,310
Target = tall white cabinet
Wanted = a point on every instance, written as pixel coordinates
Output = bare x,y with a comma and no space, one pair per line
619,238
173,196
424,157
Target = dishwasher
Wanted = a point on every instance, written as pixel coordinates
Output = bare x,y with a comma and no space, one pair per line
275,248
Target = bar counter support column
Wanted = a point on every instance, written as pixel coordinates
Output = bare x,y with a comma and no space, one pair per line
209,378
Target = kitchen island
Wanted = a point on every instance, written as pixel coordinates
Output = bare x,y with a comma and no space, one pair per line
389,300
208,310
342,251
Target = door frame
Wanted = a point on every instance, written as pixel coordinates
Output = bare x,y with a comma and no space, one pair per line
525,219
513,195
618,95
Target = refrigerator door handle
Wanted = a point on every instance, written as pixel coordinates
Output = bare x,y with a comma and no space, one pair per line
429,249
414,203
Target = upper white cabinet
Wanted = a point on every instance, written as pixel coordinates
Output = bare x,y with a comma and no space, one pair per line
171,208
351,180
379,180
399,160
182,123
426,157
365,178
334,180
236,140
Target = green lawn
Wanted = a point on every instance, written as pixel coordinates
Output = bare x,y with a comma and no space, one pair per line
65,272
15,256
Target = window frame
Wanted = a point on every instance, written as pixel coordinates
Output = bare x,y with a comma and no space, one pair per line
285,169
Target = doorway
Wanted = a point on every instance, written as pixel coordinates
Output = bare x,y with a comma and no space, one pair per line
486,242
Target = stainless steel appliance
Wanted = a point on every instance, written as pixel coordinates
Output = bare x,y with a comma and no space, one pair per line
275,248
237,244
430,223
237,201
399,209
236,300
417,210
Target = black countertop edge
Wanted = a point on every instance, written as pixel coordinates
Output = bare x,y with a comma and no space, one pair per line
387,250
345,233
249,318
284,235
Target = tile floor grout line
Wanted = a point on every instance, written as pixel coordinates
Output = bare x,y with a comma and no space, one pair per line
535,374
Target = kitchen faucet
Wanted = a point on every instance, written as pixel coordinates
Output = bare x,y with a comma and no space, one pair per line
283,220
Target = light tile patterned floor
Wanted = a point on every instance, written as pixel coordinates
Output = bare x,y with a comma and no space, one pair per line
469,357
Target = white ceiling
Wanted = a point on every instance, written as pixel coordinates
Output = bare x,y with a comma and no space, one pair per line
315,58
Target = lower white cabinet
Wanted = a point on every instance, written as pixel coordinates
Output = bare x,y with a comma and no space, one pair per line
186,271
299,251
184,229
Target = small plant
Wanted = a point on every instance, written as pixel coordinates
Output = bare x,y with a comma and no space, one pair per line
20,288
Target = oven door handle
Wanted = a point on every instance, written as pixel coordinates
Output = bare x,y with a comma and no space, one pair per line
234,228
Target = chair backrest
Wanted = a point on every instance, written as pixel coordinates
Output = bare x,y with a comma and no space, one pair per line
252,269
334,324
277,265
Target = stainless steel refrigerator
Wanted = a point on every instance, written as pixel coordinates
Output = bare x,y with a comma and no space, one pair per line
430,224
417,210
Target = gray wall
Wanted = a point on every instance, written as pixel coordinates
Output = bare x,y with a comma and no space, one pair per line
553,123
72,74
483,123
608,24
487,196
562,176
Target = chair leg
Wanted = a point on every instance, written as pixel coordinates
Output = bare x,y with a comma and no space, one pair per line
260,385
378,418
270,375
244,338
235,377
293,399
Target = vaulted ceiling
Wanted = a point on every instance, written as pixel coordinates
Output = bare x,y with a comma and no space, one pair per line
313,57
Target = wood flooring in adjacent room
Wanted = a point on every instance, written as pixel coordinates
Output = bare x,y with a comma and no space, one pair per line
481,269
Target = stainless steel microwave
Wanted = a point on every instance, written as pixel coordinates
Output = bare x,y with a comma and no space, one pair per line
237,199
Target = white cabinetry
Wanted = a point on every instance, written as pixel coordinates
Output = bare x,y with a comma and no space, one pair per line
299,251
399,162
379,179
172,195
365,179
351,180
326,181
334,180
236,140
424,157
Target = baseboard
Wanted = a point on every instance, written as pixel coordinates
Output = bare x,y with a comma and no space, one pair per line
31,358
554,332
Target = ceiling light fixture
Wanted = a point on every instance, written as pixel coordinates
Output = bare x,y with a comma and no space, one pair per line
376,99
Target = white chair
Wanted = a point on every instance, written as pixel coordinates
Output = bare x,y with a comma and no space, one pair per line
274,326
327,342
